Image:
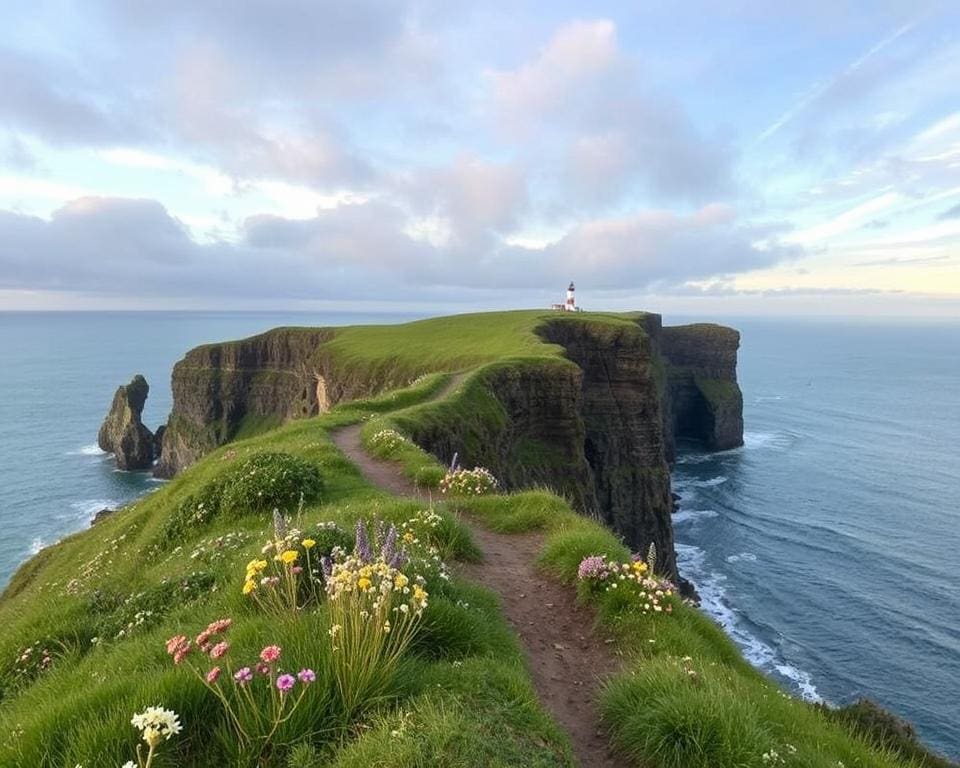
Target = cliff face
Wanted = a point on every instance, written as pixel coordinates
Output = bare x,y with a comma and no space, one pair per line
623,430
705,400
220,389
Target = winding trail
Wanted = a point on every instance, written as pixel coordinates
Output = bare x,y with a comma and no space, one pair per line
567,657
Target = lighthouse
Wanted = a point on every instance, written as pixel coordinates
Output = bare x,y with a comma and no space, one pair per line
570,305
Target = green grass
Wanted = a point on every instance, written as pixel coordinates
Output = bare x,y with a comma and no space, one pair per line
724,715
463,682
462,697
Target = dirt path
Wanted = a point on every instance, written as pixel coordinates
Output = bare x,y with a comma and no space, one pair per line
567,657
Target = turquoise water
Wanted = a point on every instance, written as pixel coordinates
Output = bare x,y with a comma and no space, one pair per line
827,546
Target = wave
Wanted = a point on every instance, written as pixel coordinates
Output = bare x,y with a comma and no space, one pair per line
36,545
692,562
88,450
748,557
690,515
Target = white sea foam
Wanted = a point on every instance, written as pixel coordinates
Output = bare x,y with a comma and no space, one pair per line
742,557
88,450
36,545
710,586
692,515
713,481
755,440
87,508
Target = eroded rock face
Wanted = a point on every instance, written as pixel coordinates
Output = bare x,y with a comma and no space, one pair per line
123,433
705,402
623,431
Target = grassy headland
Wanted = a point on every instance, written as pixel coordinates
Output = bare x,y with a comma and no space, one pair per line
84,624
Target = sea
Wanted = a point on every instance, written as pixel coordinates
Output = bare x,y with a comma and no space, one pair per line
828,546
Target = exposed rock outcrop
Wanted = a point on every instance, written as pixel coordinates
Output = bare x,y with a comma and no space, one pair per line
705,402
123,433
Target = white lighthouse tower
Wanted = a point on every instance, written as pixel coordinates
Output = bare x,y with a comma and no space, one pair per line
570,305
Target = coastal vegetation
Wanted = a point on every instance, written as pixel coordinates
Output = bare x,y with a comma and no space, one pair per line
270,607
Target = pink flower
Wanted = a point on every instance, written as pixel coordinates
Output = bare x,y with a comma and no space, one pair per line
243,675
263,669
181,653
213,675
218,626
270,654
297,570
175,643
219,649
306,676
285,683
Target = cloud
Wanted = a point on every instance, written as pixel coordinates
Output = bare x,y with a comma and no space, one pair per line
581,103
52,98
114,246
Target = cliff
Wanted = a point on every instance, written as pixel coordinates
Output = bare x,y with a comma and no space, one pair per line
704,400
588,405
123,433
221,389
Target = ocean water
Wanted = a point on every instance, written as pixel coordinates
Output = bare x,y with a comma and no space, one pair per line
57,378
829,545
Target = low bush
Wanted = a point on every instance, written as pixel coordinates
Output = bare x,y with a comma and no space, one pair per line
268,481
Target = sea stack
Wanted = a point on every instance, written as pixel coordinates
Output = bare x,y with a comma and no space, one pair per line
123,433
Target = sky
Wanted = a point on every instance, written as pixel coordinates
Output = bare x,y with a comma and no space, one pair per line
689,156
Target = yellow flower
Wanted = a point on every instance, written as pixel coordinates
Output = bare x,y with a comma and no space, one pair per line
639,566
308,543
364,583
401,581
248,587
408,538
419,594
289,556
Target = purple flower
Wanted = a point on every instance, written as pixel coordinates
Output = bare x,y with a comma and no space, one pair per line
285,683
390,545
306,676
362,547
243,675
326,565
592,567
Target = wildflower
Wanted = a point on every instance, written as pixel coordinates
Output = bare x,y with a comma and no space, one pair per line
285,683
243,675
156,724
262,669
270,654
248,587
364,583
213,675
306,676
308,543
176,642
289,556
219,650
363,543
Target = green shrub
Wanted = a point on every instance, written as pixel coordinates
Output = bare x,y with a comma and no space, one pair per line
429,476
268,481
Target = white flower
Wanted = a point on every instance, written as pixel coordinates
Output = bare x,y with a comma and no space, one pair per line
128,764
156,724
